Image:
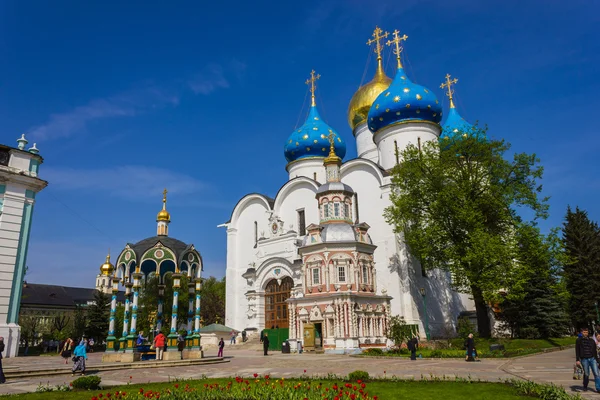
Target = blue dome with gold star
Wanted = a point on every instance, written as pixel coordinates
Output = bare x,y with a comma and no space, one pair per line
312,139
403,101
455,124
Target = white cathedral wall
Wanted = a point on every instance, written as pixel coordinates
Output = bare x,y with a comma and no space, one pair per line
365,146
309,167
401,136
240,254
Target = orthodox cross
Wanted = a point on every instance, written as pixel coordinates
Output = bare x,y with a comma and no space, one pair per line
331,138
312,82
165,196
448,84
378,35
397,40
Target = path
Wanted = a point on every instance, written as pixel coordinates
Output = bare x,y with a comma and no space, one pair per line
556,367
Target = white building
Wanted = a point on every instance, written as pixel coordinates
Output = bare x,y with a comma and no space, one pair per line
19,184
265,236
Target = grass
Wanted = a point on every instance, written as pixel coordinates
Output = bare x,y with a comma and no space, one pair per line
512,348
423,390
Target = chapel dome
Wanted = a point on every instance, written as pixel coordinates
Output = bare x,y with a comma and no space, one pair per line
311,140
107,268
403,101
361,102
455,124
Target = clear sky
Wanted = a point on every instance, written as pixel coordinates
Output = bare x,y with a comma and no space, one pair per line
125,98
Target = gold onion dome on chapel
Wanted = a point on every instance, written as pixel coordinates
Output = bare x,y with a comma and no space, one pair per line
107,268
164,215
365,96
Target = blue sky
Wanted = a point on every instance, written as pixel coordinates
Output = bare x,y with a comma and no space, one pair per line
125,99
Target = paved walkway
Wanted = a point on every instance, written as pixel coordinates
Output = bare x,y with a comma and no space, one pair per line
556,367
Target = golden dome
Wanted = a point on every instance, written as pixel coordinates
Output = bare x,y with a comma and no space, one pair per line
163,214
107,268
365,96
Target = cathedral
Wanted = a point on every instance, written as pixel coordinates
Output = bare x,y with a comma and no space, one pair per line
321,252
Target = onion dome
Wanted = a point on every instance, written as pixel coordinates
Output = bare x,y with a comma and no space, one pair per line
163,215
107,268
311,140
364,97
455,124
403,100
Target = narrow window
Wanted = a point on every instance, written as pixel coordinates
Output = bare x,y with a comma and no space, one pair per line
356,207
315,176
341,273
365,273
326,208
301,223
336,209
346,211
419,143
396,152
315,276
255,233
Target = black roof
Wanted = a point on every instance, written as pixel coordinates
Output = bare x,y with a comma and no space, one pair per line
143,245
58,296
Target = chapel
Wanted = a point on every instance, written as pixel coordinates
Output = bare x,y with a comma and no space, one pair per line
321,252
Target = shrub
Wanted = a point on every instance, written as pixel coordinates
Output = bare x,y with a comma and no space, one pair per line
542,391
86,383
436,354
373,352
358,376
465,327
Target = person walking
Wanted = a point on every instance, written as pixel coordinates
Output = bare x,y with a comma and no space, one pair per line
470,347
221,346
266,344
67,349
180,344
233,335
413,345
79,357
244,338
2,377
586,354
91,344
159,345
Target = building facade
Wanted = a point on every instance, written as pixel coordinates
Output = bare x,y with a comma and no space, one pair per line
19,184
269,248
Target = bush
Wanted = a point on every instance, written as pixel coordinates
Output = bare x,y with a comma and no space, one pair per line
542,391
436,354
373,352
358,376
465,327
397,351
87,383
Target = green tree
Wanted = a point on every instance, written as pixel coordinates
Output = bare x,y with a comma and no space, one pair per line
534,305
399,331
97,317
457,209
212,305
148,303
581,241
80,322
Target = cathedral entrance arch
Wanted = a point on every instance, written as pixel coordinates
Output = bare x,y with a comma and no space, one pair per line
276,309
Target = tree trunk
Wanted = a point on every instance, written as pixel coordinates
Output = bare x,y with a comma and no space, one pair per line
481,309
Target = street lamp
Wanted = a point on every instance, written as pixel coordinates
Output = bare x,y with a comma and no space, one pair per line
422,291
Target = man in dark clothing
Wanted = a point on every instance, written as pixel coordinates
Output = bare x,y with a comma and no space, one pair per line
413,345
470,347
265,344
586,354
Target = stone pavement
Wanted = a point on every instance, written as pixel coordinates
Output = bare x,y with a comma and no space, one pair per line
555,367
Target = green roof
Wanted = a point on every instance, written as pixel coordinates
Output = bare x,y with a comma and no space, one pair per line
216,328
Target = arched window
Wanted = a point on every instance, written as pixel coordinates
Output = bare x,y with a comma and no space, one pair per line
336,209
255,233
365,273
326,210
347,211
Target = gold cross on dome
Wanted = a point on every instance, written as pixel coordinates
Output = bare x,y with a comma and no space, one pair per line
378,35
312,81
165,195
397,40
448,84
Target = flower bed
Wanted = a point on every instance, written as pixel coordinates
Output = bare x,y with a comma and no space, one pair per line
259,388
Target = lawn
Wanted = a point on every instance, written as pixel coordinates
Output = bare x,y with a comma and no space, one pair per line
454,348
423,390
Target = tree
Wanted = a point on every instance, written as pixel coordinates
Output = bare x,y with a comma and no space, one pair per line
534,305
457,209
399,331
32,329
212,304
80,322
581,241
97,317
148,303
